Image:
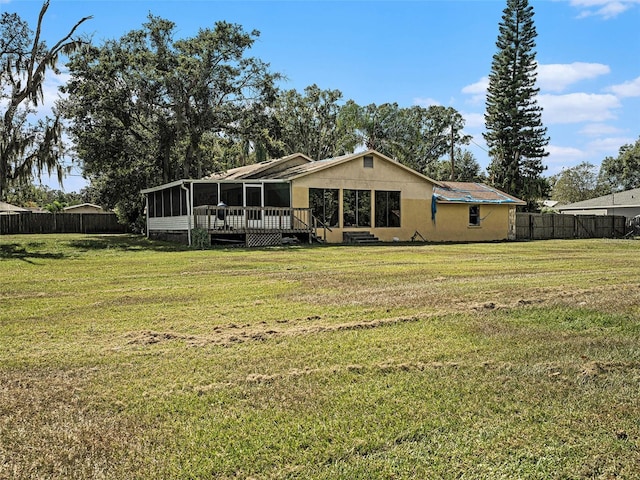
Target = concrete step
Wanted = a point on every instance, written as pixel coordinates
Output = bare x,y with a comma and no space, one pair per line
360,238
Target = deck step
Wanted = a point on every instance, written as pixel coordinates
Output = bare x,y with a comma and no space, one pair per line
360,238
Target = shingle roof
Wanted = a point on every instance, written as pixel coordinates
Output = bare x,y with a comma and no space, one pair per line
629,198
470,192
256,170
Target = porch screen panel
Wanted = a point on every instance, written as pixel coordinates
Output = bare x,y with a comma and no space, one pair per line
175,201
151,202
205,194
158,202
356,207
166,203
324,205
387,209
276,195
231,194
183,202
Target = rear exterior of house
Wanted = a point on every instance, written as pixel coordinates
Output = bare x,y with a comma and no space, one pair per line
344,199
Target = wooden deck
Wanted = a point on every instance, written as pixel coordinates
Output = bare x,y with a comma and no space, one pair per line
253,220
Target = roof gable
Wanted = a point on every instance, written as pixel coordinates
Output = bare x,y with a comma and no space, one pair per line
317,166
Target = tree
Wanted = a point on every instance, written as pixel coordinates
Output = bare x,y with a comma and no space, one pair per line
415,136
147,109
427,135
466,168
309,123
376,127
575,184
621,173
27,147
514,131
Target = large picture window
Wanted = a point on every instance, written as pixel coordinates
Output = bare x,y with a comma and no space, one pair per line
387,209
324,205
356,208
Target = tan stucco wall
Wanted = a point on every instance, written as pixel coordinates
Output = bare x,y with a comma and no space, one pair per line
415,196
452,223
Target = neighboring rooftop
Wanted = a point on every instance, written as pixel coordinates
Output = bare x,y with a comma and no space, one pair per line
629,198
8,208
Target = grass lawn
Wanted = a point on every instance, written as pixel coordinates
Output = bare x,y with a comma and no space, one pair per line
124,358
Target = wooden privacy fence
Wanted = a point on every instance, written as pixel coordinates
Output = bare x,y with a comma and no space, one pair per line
539,226
60,223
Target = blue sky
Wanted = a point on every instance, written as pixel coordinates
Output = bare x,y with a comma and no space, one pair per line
418,52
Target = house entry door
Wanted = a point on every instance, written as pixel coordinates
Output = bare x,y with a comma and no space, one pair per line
253,200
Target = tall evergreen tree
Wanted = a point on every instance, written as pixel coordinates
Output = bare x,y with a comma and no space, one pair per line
515,134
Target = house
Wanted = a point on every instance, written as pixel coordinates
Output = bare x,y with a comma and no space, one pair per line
626,204
359,197
8,209
84,208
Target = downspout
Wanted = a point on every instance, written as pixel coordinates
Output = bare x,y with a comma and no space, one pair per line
187,192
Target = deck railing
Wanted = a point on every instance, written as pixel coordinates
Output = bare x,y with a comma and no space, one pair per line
253,219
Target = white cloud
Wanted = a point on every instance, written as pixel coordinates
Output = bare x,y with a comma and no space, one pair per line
598,129
558,154
563,157
50,91
480,87
558,76
473,120
478,90
603,8
627,89
578,107
425,102
609,145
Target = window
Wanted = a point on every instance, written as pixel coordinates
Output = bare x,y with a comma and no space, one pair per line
387,209
205,194
474,215
324,205
276,195
356,208
368,161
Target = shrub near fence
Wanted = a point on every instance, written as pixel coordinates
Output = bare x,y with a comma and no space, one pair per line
60,223
538,226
